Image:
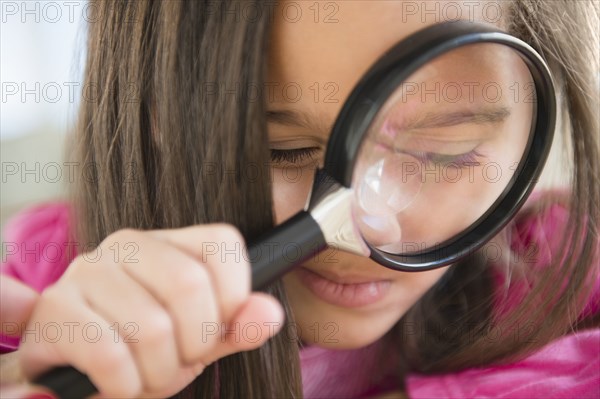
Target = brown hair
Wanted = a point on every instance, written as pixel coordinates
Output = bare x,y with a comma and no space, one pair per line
150,61
166,157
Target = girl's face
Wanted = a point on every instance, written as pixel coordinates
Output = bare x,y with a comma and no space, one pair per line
319,51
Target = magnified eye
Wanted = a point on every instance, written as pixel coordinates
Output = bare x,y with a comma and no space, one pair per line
298,156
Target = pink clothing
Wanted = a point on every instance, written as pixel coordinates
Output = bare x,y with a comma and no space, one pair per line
568,368
37,245
38,250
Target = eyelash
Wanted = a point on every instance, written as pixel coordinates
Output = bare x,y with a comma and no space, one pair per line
460,160
293,156
302,154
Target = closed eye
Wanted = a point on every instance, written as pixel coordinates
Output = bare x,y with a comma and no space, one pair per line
294,156
470,158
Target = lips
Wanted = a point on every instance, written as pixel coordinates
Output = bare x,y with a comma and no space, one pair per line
346,278
350,291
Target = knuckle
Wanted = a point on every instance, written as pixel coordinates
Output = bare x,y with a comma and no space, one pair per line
230,241
124,235
105,372
192,281
87,266
158,329
52,300
227,233
110,359
53,295
76,267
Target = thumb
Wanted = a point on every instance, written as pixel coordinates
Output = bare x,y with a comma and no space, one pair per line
17,301
258,320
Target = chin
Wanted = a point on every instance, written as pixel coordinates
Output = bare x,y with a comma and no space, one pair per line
342,335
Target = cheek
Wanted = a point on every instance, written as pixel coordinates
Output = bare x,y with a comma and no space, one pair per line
291,187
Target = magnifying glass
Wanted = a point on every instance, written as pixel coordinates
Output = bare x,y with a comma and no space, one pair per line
435,150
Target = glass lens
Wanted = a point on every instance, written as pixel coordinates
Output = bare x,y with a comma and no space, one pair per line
444,148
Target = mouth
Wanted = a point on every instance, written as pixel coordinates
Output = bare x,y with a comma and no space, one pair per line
349,291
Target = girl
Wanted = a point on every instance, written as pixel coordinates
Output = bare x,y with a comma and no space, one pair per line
171,134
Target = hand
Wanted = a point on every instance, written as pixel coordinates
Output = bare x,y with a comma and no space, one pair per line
154,313
16,304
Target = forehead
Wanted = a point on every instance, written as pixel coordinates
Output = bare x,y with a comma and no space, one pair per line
319,50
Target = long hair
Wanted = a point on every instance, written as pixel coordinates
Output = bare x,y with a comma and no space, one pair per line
167,153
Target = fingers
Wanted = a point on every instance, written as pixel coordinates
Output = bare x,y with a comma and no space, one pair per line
184,288
220,250
247,320
169,295
143,324
260,318
107,361
16,304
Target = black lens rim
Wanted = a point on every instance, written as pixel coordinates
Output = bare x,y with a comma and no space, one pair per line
373,90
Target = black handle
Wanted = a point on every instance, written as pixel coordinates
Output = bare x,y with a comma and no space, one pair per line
67,383
274,254
284,247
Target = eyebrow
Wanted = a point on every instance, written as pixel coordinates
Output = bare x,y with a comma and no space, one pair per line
298,119
446,119
487,116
